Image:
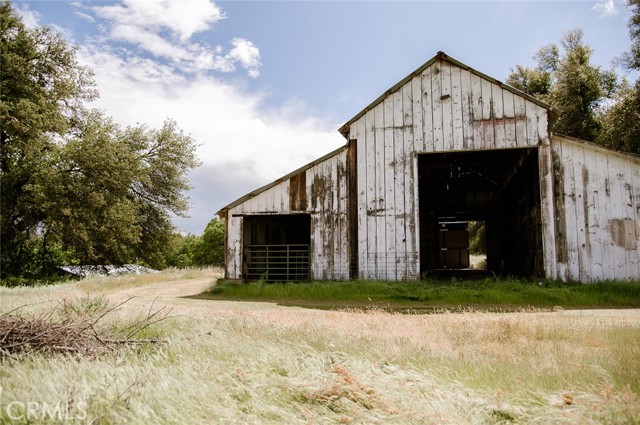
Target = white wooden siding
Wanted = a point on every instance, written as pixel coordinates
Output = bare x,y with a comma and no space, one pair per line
327,197
444,108
597,209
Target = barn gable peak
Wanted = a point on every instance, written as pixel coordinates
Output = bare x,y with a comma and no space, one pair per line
441,56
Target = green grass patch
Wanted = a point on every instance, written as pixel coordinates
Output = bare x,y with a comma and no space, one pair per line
484,294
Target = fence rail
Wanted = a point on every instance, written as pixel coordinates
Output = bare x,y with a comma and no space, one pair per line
277,263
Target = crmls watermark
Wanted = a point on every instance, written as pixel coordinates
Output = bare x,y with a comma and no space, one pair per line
37,410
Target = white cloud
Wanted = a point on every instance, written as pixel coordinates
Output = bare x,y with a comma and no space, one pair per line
243,144
83,15
151,42
247,54
30,18
182,17
606,7
164,28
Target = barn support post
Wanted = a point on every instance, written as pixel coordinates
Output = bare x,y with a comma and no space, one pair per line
415,248
545,159
224,216
352,208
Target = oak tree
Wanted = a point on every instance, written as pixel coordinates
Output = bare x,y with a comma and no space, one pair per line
76,187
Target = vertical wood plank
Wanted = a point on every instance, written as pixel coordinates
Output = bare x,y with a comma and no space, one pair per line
372,204
498,116
467,109
635,182
476,116
629,215
417,116
408,134
581,219
316,247
573,261
542,117
592,177
401,120
389,183
413,227
488,115
531,110
380,205
604,212
436,107
345,261
545,160
234,247
617,212
521,121
361,171
510,119
427,108
446,104
456,109
561,260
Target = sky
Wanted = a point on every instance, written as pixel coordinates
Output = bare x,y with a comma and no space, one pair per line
263,86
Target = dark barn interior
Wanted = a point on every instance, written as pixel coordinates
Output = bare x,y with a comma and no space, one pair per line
276,247
499,187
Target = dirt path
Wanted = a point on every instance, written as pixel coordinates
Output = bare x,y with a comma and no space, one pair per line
173,294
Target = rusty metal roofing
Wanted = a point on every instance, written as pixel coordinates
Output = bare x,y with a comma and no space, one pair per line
441,56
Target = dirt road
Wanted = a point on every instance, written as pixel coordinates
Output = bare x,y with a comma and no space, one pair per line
175,294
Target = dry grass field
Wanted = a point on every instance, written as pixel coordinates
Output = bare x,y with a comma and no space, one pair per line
241,362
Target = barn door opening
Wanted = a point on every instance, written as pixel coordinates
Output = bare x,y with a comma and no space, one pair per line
276,247
497,188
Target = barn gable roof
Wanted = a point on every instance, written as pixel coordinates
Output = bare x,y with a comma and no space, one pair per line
441,56
266,187
344,130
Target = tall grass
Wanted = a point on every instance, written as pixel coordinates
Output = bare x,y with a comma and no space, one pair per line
237,363
434,293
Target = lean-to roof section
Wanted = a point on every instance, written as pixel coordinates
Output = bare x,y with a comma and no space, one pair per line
258,191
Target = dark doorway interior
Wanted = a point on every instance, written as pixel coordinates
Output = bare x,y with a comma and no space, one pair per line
499,188
276,247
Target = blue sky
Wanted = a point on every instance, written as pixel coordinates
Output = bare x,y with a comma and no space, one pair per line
263,86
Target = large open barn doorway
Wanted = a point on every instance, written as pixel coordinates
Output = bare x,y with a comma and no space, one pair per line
496,192
276,247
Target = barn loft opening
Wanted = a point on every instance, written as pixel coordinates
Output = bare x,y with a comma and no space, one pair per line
276,247
497,187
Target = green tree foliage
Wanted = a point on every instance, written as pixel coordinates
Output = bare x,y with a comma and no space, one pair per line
631,59
42,90
565,78
75,186
204,250
210,249
182,247
477,238
621,119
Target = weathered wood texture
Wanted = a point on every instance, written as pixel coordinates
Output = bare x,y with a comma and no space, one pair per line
445,108
597,212
589,196
319,190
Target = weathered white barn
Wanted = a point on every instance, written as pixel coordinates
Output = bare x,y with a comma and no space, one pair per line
444,146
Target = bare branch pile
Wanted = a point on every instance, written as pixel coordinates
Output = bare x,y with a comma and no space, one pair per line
74,335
